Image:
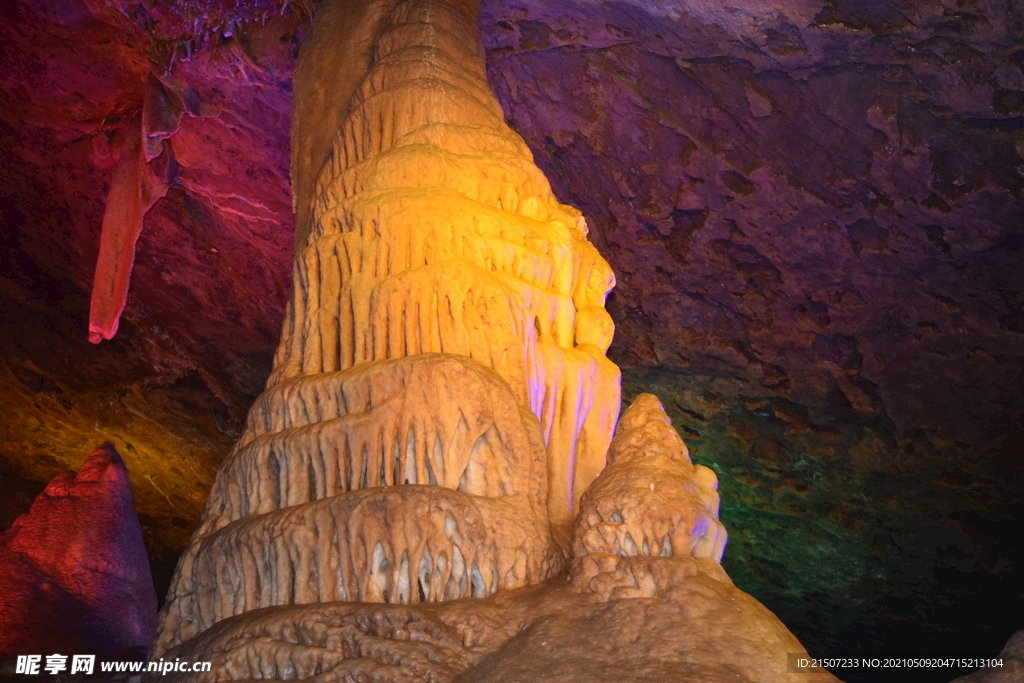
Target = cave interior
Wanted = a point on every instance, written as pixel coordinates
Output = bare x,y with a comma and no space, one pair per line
814,211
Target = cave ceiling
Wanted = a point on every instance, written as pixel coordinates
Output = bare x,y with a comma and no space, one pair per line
813,211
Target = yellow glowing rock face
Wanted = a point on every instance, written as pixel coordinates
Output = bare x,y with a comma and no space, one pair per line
440,397
432,231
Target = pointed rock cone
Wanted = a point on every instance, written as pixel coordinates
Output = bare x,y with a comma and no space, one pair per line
74,573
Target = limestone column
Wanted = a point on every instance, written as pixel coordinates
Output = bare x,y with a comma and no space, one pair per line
440,396
424,183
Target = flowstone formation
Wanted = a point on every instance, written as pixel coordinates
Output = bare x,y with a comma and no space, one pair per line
446,334
660,609
650,499
440,402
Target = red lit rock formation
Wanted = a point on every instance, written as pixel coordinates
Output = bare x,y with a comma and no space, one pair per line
136,186
74,573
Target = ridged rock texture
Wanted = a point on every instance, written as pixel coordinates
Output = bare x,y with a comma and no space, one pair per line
445,335
74,574
646,598
688,623
439,411
811,209
650,499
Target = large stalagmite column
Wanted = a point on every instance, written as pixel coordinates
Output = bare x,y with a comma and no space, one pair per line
429,229
440,397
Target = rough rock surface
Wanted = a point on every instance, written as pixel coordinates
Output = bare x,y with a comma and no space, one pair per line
544,633
878,522
74,574
650,499
814,215
648,611
1011,666
440,396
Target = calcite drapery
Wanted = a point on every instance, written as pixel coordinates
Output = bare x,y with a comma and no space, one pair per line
446,334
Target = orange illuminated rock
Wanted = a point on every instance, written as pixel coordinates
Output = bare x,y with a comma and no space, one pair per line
446,332
429,229
439,403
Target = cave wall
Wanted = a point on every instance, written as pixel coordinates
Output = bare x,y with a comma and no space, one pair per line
171,389
814,214
813,211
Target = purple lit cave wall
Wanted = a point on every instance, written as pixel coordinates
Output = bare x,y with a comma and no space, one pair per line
814,210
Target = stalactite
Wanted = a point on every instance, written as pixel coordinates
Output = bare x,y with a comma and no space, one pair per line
137,184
